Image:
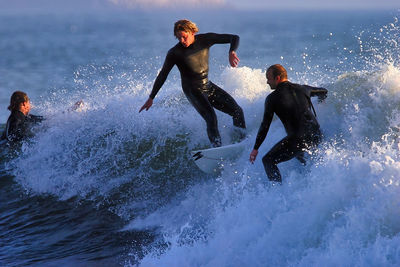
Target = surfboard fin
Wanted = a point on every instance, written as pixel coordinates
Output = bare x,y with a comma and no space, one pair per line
197,156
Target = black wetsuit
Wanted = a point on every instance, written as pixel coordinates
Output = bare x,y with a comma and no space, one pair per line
291,102
19,126
192,63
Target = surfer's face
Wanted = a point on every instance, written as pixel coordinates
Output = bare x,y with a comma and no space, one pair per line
25,107
185,38
271,80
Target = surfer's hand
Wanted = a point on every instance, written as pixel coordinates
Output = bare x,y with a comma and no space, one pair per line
233,59
77,106
321,98
253,155
147,105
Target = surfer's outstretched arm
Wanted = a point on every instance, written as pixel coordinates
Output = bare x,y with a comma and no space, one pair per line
161,77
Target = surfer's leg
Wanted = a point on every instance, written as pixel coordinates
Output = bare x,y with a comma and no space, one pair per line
284,150
203,106
224,102
310,144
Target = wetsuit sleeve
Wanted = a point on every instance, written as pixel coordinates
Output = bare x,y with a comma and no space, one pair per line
322,93
215,38
266,122
162,76
35,118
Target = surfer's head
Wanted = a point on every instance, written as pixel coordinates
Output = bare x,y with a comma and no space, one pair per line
184,31
276,74
19,101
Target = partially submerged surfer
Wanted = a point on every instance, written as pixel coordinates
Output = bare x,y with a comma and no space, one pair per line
20,122
292,104
191,56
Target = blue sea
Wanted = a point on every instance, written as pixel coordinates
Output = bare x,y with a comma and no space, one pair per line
107,186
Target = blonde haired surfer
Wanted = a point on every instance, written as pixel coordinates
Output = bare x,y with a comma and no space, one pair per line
191,56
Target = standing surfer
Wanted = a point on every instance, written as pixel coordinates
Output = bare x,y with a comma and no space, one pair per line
292,104
191,56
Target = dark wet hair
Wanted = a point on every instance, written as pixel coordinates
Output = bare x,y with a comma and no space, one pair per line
17,98
277,70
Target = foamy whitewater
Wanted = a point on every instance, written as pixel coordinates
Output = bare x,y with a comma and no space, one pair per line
105,185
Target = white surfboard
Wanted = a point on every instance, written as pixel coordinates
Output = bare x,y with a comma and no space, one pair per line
210,160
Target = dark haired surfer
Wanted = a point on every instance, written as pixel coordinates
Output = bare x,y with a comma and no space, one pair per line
20,121
191,56
291,103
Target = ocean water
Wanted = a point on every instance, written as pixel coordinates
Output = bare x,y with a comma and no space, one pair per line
107,186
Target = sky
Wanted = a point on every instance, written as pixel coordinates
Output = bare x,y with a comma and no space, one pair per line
315,4
206,4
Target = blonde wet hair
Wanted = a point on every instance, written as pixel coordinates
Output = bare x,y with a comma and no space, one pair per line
186,26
